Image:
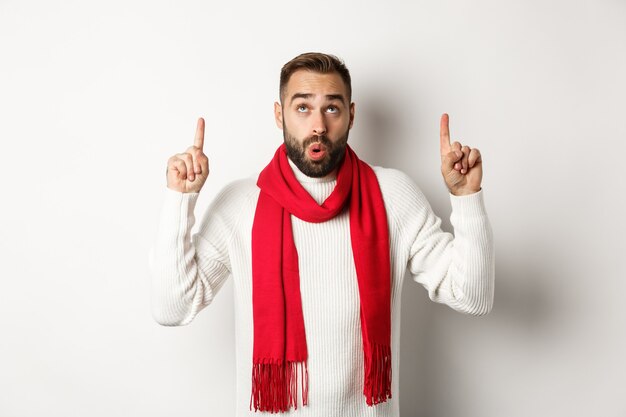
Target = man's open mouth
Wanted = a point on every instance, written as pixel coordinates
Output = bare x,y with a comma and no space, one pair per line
316,151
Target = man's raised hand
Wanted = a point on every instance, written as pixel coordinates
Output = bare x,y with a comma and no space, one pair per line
188,171
461,166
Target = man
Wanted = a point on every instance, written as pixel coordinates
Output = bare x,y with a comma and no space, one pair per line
318,244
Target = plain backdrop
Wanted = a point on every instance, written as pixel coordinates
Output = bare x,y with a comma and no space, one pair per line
96,96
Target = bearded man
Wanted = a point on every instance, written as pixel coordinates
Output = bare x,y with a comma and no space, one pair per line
318,244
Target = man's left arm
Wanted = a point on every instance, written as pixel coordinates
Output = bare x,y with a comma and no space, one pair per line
457,270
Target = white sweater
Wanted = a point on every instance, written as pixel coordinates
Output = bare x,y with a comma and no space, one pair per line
188,271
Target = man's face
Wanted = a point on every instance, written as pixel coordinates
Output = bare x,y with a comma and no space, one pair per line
315,117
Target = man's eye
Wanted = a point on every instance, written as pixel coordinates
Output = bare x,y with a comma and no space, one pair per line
303,107
333,109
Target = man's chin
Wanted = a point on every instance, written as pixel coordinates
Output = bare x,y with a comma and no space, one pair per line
314,169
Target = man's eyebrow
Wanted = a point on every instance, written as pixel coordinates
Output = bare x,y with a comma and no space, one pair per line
309,95
335,97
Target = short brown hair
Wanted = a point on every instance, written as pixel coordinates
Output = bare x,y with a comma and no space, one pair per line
316,62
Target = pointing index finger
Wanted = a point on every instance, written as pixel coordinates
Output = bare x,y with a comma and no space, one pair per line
199,139
444,134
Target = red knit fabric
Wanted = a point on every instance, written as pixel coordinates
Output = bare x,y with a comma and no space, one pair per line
279,336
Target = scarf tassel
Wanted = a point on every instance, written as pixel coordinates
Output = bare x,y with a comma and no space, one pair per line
377,385
275,385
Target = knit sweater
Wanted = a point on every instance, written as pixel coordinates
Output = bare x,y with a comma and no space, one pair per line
187,272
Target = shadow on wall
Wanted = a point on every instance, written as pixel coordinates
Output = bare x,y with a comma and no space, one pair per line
522,314
377,126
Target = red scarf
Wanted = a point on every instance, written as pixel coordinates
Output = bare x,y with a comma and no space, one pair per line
279,335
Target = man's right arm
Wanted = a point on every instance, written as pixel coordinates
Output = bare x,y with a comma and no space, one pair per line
187,271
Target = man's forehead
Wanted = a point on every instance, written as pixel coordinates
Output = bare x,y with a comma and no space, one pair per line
314,84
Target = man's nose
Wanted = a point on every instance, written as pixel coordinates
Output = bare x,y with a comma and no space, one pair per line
319,124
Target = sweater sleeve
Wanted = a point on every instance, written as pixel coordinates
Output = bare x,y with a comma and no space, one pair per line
187,271
456,269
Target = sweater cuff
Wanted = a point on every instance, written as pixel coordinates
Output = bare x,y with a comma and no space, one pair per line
469,205
176,201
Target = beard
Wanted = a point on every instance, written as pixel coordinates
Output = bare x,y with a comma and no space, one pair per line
296,151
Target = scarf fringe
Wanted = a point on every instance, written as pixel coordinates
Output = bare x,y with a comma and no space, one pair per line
275,385
377,383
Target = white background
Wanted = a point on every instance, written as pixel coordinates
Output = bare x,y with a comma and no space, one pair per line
95,97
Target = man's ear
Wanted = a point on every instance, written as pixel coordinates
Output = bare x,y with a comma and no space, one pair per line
278,115
351,115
